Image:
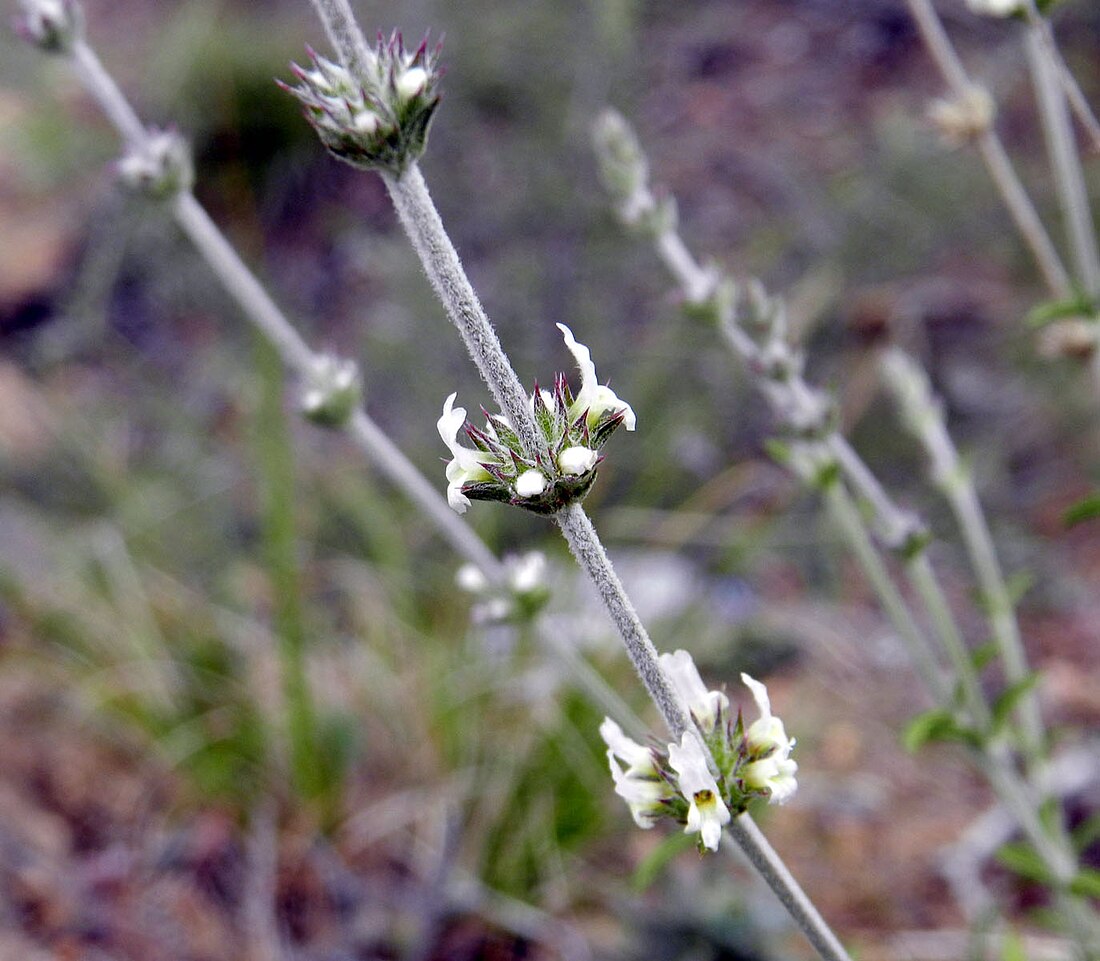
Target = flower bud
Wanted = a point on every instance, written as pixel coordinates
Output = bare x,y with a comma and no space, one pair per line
160,167
51,25
332,392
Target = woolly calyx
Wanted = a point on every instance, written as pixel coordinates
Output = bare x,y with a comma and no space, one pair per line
571,431
378,121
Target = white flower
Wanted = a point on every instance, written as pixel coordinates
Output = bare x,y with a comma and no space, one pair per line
530,483
411,82
707,812
465,466
684,677
577,460
472,579
995,8
767,739
640,785
593,397
527,574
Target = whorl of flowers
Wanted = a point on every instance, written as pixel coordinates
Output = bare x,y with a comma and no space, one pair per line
679,783
377,121
522,595
572,430
160,168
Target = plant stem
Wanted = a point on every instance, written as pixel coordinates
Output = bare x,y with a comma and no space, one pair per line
764,858
344,34
101,85
440,261
993,153
276,463
845,515
590,554
1064,159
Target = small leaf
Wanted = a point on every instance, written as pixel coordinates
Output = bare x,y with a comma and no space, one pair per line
1087,509
937,724
778,451
1086,884
984,655
1078,305
1011,696
1022,860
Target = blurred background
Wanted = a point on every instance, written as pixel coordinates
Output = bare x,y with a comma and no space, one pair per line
168,526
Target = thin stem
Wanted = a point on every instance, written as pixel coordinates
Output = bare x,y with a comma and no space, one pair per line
344,34
101,85
590,554
440,261
1064,160
1019,204
405,476
1072,88
927,584
241,284
764,858
845,515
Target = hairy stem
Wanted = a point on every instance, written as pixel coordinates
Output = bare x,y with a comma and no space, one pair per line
751,840
440,261
993,153
1065,162
344,34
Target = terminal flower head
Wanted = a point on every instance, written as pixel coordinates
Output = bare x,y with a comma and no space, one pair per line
571,431
376,121
716,770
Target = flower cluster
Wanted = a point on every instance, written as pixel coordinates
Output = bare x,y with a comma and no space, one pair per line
679,783
377,121
572,430
523,594
996,8
331,392
51,25
160,167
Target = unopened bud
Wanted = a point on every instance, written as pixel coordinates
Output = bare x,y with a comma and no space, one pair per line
160,167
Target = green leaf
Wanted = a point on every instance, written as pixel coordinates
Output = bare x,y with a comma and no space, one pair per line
1048,312
1086,833
1086,884
1087,509
1022,859
1011,696
1012,948
937,724
778,451
654,863
984,655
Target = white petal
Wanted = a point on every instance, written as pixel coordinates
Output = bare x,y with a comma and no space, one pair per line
577,460
472,578
530,483
636,755
759,694
684,677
